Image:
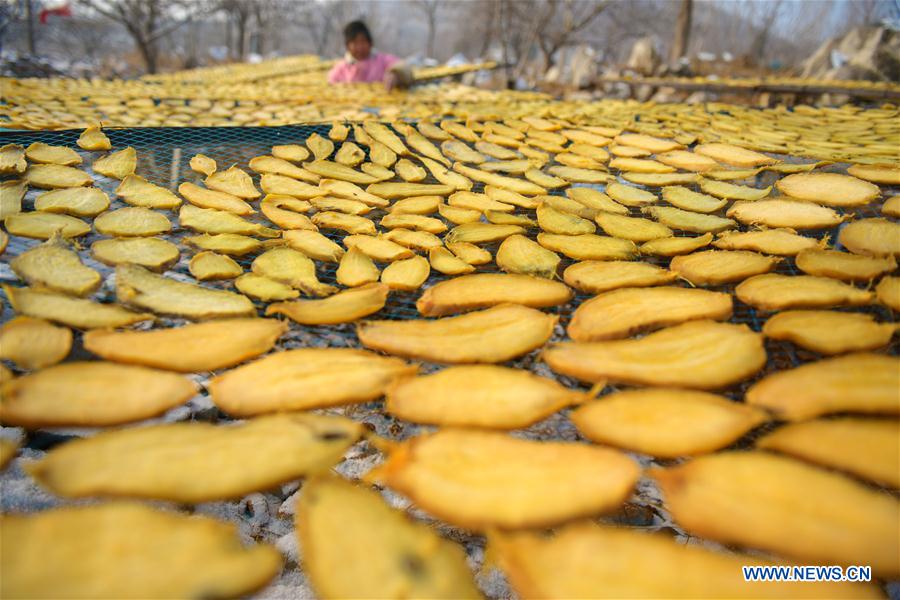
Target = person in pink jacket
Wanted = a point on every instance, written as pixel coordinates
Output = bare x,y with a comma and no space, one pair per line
363,64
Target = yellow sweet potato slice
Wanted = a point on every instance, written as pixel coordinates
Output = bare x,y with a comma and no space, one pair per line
588,246
351,224
686,199
153,253
12,159
55,266
647,142
493,335
861,383
730,191
688,221
556,221
388,555
210,220
320,147
873,237
773,291
783,242
264,288
336,171
443,261
408,274
416,205
675,246
43,225
666,423
479,480
233,181
232,244
459,151
715,267
479,202
417,240
635,229
139,287
888,292
622,313
189,348
71,552
12,192
514,184
595,277
41,153
208,265
205,198
662,179
481,290
382,133
304,379
56,176
34,343
132,221
287,186
884,174
519,254
343,307
595,200
91,394
196,462
380,249
479,233
829,332
630,195
78,202
510,197
279,166
393,190
844,266
444,175
117,165
689,161
203,164
704,355
781,510
640,165
831,189
293,268
734,155
137,191
776,213
864,447
587,560
479,396
74,312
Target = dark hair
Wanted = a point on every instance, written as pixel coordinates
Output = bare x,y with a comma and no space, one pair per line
354,29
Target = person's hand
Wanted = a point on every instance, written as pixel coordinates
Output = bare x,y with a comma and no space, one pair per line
390,80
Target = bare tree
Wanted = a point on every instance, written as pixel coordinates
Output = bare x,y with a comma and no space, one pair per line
430,8
238,13
768,15
682,31
147,21
571,18
543,26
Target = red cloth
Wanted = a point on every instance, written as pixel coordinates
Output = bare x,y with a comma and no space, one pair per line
60,11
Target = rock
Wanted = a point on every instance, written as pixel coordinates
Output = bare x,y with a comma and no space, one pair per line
644,59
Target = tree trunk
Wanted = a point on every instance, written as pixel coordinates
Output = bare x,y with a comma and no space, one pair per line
148,53
29,17
682,31
432,25
241,42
